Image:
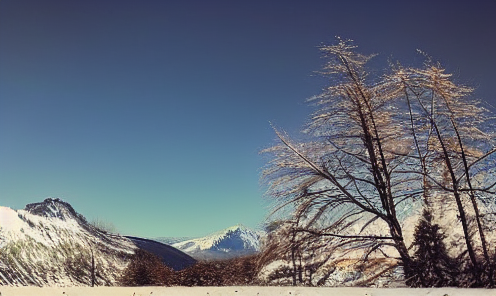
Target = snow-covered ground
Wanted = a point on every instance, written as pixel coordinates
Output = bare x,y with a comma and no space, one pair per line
238,291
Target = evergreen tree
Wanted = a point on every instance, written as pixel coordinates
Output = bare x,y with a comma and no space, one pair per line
432,265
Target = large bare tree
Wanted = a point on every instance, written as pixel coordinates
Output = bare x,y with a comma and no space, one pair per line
377,146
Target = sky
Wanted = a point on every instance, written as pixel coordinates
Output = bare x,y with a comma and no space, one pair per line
150,115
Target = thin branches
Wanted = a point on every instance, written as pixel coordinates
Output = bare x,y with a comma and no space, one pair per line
376,147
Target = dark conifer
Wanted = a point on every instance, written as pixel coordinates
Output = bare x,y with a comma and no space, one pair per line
432,265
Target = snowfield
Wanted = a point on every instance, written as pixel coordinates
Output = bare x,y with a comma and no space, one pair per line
238,291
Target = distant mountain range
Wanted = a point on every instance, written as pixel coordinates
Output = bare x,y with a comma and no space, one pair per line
172,240
229,243
50,244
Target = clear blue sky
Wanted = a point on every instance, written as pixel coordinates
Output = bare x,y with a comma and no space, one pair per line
151,114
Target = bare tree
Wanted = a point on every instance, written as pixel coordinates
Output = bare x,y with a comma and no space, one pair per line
346,175
376,147
455,151
303,253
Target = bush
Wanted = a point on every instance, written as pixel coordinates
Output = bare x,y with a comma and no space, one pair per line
146,269
233,272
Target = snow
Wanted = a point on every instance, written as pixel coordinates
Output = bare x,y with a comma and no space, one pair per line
239,291
9,221
249,238
36,248
229,243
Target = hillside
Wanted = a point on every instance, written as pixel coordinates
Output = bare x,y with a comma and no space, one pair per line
50,244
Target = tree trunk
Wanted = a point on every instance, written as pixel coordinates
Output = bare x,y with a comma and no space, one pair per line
92,268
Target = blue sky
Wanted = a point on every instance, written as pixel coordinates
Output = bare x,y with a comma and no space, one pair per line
151,114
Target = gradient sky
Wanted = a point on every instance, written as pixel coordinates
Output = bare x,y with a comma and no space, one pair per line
151,114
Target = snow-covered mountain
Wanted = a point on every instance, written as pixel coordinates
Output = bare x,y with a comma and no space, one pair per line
172,240
50,244
232,242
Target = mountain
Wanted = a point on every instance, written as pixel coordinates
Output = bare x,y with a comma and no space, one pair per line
229,243
170,256
172,240
50,244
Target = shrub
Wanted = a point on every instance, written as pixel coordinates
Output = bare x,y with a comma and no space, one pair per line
146,269
232,272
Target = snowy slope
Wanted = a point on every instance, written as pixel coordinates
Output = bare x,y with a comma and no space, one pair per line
49,243
229,243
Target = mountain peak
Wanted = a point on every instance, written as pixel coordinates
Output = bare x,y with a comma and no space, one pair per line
231,242
54,208
237,226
